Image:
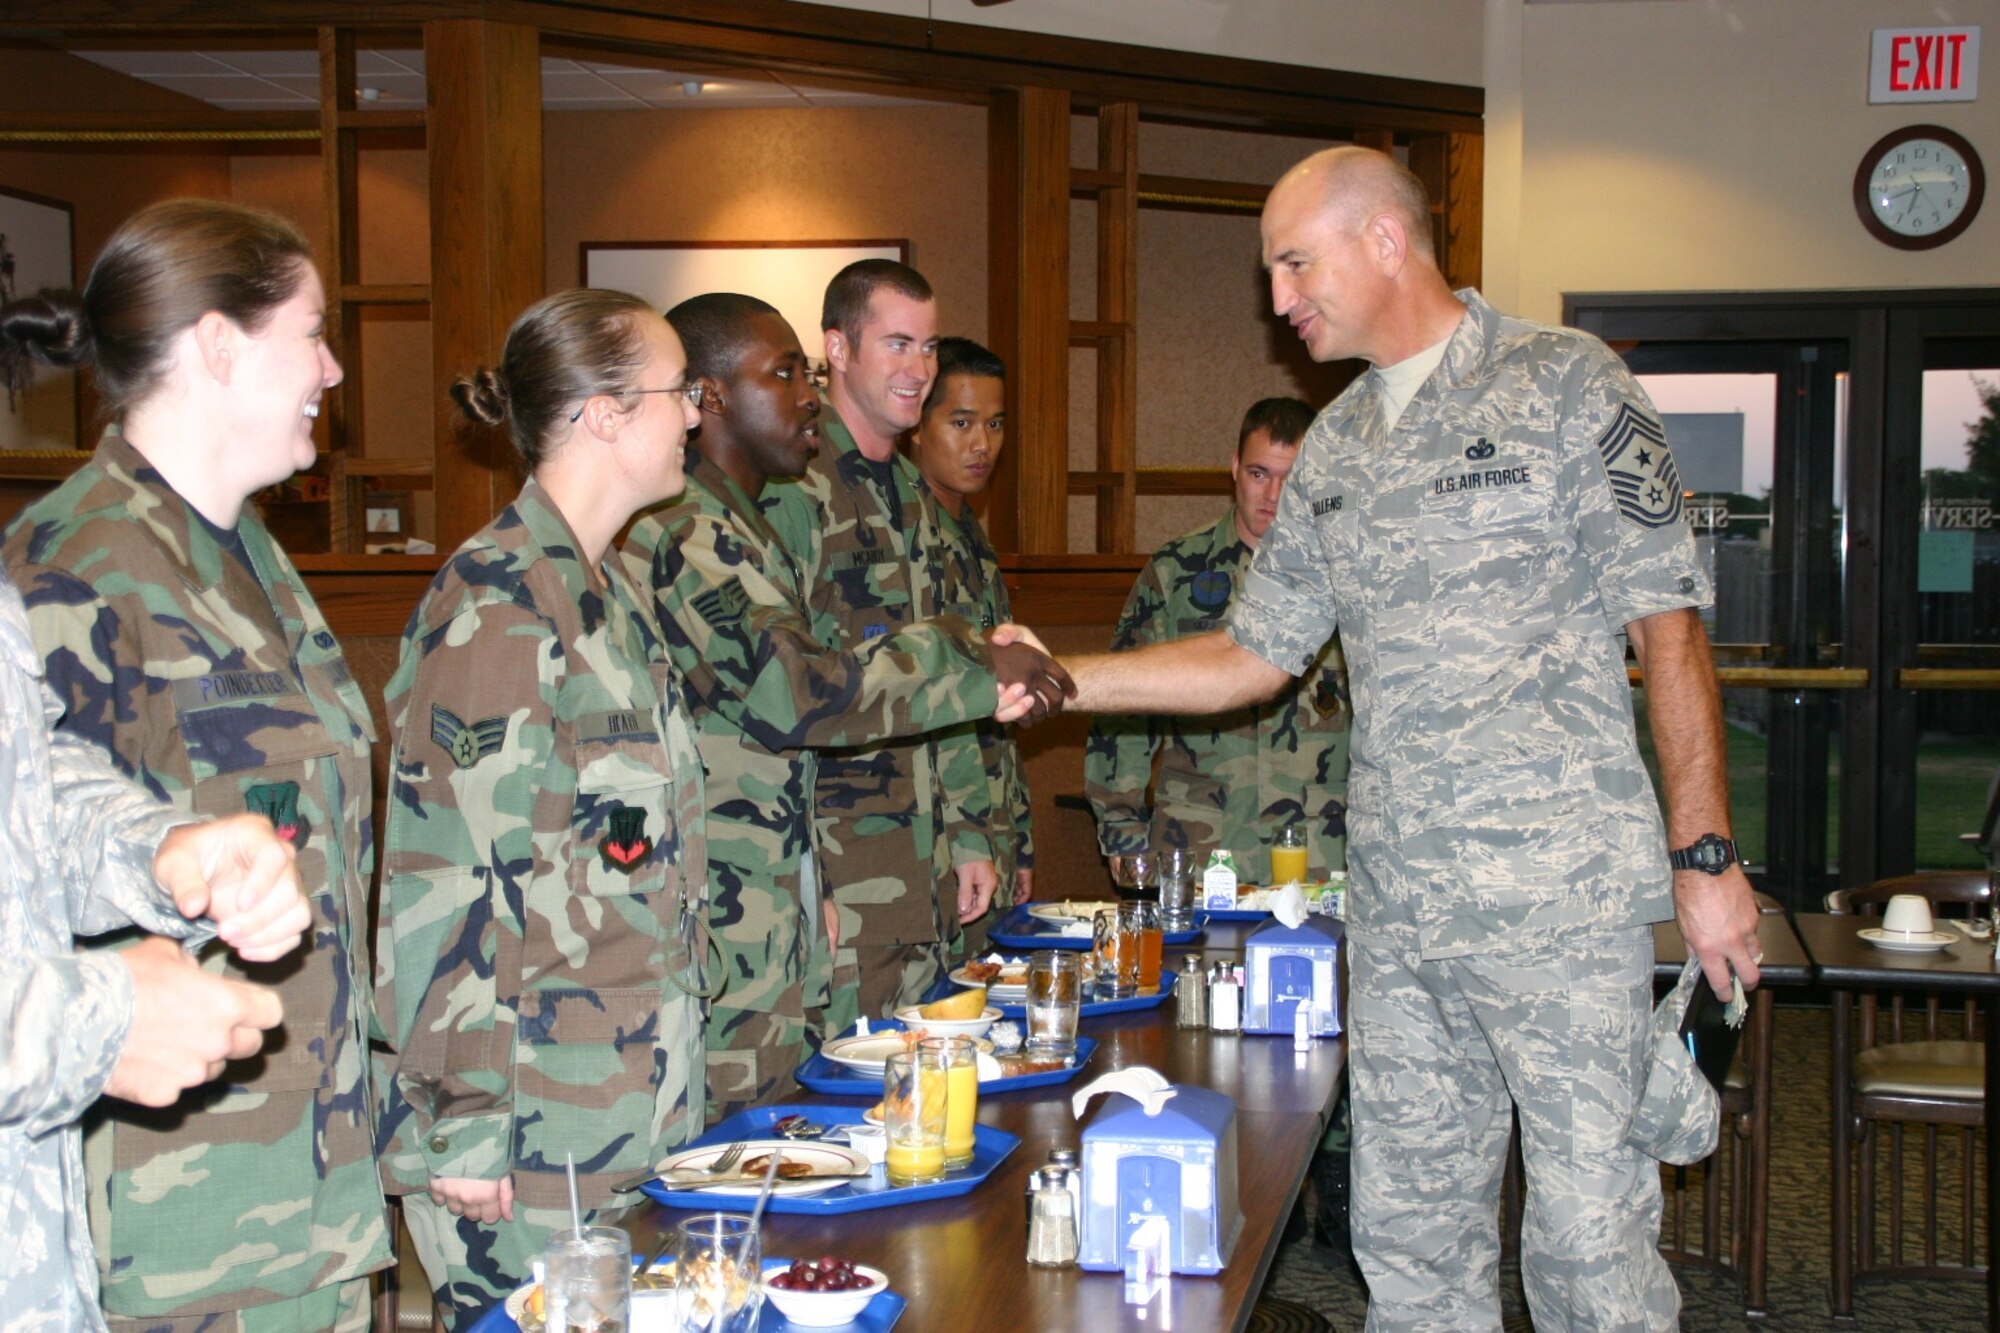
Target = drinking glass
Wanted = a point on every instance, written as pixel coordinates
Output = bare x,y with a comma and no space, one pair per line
1055,996
1289,857
916,1100
1132,872
1174,873
961,1111
587,1280
1115,939
1152,941
718,1285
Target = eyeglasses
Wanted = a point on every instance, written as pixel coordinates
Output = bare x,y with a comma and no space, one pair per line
691,392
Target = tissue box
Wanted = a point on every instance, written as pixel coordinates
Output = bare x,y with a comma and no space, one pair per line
1179,1165
1289,966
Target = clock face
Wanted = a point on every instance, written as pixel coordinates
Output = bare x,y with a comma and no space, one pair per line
1919,187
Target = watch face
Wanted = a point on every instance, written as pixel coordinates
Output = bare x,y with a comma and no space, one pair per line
1919,187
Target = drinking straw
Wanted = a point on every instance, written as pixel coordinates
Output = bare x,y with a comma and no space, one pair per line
575,1209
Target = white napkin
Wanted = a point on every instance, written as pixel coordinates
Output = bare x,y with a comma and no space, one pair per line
1079,929
1148,1087
1288,904
988,1067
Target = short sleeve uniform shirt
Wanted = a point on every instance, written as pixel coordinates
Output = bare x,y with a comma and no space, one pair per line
1480,562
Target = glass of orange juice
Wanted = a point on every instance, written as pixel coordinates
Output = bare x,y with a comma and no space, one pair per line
1152,941
1115,939
961,1086
1289,861
915,1102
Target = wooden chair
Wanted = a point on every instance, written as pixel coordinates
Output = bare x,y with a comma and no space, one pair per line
1916,1061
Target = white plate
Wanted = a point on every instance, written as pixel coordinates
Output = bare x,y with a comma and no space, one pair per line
822,1156
864,1054
1900,943
997,990
517,1300
1067,913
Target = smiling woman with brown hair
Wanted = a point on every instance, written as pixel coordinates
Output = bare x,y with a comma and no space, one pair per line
184,643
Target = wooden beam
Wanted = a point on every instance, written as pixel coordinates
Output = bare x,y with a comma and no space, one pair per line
1028,311
193,125
1464,209
485,104
1118,304
340,191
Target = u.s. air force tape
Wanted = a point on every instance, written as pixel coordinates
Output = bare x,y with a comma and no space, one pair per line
1644,481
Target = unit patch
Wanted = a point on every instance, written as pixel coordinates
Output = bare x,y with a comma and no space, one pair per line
626,847
279,803
467,745
1644,481
1210,589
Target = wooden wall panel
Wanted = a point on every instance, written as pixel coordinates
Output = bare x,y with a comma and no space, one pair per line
1027,312
485,90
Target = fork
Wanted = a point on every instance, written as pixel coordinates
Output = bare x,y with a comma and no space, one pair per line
725,1163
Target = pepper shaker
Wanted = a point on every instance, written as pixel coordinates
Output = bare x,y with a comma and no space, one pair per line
1191,995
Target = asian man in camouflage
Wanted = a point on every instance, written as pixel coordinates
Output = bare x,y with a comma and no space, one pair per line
956,447
1229,781
1481,516
903,827
766,694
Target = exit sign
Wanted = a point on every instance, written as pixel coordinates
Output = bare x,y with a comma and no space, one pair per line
1924,65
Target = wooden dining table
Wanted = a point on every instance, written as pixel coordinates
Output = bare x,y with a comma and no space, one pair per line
1846,963
961,1262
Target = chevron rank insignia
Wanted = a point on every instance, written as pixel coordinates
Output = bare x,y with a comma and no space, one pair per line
467,745
1644,480
626,847
279,803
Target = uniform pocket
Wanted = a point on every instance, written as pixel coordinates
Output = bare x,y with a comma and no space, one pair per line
1519,510
586,1080
623,821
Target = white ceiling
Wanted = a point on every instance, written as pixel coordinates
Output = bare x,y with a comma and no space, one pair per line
289,81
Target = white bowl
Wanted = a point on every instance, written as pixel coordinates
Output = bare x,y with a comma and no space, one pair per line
914,1020
823,1309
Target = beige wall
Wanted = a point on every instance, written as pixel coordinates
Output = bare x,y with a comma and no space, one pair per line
1664,146
1412,39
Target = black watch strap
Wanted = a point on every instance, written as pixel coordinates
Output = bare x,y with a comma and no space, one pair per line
1711,854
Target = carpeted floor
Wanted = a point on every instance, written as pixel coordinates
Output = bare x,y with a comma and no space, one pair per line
1801,1262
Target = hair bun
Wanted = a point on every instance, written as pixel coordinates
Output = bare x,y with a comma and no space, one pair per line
482,396
49,328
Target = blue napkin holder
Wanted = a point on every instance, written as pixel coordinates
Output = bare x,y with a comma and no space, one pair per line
1179,1164
1289,966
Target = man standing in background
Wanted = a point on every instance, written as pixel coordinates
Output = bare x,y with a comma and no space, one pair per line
1230,781
957,447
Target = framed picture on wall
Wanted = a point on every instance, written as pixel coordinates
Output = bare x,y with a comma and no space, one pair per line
791,275
37,250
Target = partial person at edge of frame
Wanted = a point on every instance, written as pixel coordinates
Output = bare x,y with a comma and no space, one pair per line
543,934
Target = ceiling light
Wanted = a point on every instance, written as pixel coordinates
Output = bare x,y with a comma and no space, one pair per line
692,88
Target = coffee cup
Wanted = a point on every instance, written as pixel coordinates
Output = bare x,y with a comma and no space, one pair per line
1907,914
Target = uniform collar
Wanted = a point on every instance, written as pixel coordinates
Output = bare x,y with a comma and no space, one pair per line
1464,361
164,512
549,530
1224,541
847,457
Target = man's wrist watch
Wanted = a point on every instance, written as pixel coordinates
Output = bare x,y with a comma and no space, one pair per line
1711,854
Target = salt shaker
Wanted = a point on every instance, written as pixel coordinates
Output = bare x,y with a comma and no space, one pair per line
1051,1219
1225,1000
1191,995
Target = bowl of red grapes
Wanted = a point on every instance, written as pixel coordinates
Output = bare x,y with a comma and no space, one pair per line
821,1293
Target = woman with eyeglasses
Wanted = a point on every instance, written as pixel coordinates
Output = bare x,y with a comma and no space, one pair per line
542,925
183,643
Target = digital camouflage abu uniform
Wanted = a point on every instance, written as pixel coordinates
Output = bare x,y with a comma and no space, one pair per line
211,677
762,690
976,592
1228,780
893,820
1505,849
542,910
76,855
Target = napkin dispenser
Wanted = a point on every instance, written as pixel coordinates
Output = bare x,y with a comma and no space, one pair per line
1178,1164
1289,966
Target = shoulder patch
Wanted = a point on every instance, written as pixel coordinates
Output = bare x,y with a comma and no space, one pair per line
625,846
467,745
1644,480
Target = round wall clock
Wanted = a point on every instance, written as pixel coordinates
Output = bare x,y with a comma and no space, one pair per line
1919,187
